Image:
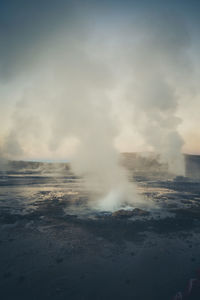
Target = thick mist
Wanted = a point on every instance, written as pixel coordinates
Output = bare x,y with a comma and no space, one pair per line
82,85
160,65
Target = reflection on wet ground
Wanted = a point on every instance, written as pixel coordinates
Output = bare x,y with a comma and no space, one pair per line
54,246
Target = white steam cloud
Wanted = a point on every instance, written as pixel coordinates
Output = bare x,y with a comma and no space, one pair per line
159,63
87,80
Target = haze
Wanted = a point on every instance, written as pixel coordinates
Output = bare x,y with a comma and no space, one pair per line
83,78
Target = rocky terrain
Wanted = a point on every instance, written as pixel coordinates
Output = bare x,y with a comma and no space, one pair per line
54,246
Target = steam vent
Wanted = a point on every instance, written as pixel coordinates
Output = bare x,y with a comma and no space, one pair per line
192,166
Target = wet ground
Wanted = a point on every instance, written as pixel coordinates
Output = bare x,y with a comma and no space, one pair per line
53,246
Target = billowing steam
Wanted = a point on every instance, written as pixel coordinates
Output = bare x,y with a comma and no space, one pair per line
89,81
159,64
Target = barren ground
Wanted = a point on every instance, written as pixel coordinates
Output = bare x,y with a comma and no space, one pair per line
52,246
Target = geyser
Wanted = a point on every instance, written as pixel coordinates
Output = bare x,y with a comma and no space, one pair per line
89,83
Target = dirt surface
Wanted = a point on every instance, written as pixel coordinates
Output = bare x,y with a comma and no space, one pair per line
52,246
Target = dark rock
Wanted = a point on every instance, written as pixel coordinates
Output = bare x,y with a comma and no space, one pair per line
82,276
21,279
7,274
59,260
136,212
127,281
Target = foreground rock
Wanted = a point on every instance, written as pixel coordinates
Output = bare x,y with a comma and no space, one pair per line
136,212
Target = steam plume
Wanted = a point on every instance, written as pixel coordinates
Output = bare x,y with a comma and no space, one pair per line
87,81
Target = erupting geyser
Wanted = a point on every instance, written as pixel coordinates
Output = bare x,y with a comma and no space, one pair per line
86,94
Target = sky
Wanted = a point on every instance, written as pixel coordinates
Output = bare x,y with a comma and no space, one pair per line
110,76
